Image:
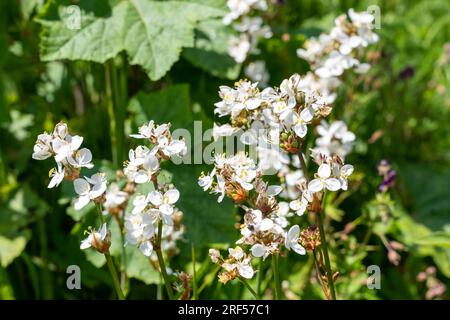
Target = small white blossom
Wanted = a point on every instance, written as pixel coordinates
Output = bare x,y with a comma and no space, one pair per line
324,180
89,189
291,241
57,175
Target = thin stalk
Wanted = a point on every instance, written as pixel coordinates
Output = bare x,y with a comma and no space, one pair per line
325,250
123,275
276,277
115,278
162,264
247,285
206,282
194,273
303,165
260,276
110,263
119,101
111,112
319,274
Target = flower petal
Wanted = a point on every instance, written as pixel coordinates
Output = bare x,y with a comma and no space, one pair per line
146,248
172,196
332,184
258,250
315,185
155,197
324,171
81,186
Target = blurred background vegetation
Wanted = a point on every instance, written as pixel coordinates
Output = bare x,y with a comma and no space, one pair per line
399,111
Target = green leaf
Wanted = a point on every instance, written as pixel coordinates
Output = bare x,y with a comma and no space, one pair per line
11,248
168,105
211,50
206,220
152,33
439,239
139,267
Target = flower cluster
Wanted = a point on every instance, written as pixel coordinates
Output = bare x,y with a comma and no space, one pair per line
331,175
273,116
69,158
143,163
65,149
334,139
331,54
157,208
148,210
250,28
237,264
232,176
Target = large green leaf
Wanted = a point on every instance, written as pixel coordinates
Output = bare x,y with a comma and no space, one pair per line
152,33
210,52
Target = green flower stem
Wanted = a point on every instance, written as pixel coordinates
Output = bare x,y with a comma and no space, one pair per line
111,113
246,284
115,278
324,246
260,277
276,274
109,261
194,272
162,265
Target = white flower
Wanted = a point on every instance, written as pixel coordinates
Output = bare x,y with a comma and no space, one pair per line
237,253
300,205
299,122
334,139
343,173
81,158
145,131
324,180
89,189
257,72
242,263
214,254
225,130
291,240
245,269
114,196
164,203
238,48
43,149
206,181
142,165
139,231
94,237
220,188
65,148
171,147
57,175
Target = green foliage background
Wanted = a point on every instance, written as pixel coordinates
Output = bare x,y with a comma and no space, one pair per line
167,60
